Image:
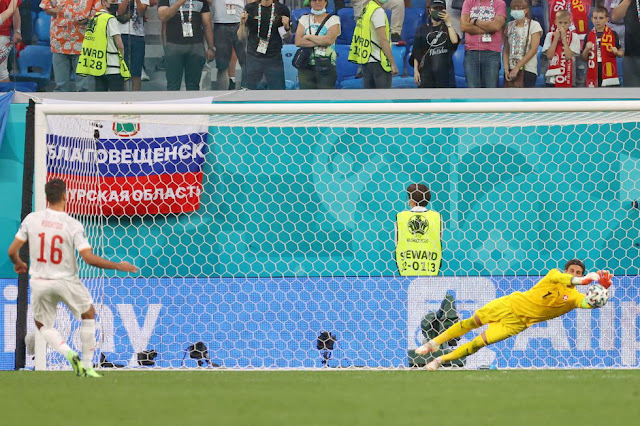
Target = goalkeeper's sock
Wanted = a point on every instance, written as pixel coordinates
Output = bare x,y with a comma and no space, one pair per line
88,339
55,340
467,349
456,330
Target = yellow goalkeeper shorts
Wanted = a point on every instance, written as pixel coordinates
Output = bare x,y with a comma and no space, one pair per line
503,322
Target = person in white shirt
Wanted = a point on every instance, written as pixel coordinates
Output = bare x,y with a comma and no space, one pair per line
131,22
53,238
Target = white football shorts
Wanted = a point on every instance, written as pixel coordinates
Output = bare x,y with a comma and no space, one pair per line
45,295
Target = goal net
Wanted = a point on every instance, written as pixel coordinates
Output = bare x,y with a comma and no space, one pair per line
265,233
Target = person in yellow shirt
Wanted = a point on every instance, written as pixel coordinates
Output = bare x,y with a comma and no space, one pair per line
552,296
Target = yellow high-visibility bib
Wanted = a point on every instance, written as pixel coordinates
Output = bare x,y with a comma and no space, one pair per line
419,249
361,42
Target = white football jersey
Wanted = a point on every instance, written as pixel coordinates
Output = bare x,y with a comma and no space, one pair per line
53,239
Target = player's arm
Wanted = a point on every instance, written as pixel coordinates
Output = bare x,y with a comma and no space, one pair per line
94,260
14,249
583,303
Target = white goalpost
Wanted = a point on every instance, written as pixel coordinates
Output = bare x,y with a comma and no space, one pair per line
257,227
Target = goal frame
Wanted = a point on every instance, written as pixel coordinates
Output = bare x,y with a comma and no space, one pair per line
42,111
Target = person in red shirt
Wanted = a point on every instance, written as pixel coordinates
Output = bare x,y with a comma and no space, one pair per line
9,19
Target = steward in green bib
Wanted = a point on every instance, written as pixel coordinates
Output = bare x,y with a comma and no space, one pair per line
102,49
370,47
419,235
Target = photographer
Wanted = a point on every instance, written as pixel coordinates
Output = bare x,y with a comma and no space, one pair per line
188,23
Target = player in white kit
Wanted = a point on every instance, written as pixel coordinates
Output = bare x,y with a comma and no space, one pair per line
53,237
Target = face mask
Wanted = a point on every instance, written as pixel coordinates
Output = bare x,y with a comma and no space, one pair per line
318,12
113,9
517,14
383,1
435,15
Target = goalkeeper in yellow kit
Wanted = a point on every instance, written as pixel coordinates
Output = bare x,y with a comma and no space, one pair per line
509,315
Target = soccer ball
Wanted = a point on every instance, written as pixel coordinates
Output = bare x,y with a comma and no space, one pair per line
597,296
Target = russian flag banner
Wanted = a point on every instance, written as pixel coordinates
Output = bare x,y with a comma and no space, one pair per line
129,165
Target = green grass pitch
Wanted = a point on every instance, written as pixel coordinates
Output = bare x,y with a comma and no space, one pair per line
194,398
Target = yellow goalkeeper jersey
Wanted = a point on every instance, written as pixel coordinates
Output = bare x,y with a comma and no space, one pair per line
553,296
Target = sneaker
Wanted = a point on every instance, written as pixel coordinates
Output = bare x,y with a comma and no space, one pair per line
232,84
434,365
75,362
144,76
395,37
426,348
90,372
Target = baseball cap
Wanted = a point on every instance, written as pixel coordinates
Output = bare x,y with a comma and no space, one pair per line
438,3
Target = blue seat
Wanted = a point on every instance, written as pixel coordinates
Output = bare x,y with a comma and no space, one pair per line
296,14
347,25
413,18
346,70
458,66
537,13
290,72
19,86
405,78
42,30
34,64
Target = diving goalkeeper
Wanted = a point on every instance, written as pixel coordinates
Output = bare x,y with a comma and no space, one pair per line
509,315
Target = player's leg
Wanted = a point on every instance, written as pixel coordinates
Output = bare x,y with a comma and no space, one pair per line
508,326
456,330
76,296
88,340
493,311
44,302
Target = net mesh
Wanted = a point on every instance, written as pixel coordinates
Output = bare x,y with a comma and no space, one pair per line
256,233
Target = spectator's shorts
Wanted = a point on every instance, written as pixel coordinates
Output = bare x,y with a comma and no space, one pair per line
225,38
134,49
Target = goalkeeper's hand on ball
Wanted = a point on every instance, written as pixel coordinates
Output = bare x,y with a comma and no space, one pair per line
604,278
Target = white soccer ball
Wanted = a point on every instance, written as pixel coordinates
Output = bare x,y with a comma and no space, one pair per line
597,296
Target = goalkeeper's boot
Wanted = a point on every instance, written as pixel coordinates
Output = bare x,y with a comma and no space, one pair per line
75,362
90,372
430,346
434,365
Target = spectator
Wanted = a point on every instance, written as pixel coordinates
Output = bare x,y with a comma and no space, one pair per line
601,49
131,18
630,12
318,30
102,50
68,23
433,49
188,24
482,21
560,47
617,25
397,9
226,21
371,49
9,19
263,25
579,11
521,42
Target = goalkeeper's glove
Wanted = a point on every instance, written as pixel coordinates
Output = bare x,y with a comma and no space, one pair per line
605,278
589,278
